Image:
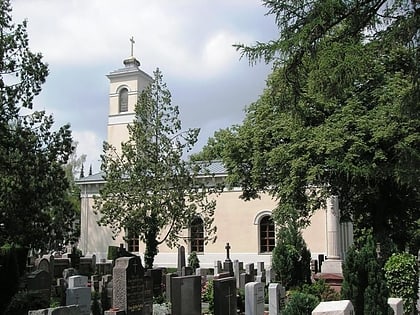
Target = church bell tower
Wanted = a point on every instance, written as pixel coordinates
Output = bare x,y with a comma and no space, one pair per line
125,86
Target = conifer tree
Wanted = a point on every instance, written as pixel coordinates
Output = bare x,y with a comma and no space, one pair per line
151,190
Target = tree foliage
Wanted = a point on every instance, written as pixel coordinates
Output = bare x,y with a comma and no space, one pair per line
340,114
401,274
150,190
364,282
33,206
291,258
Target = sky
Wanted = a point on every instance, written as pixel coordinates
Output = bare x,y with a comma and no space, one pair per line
190,41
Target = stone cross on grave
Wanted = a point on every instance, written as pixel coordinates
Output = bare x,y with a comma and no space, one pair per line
132,45
227,247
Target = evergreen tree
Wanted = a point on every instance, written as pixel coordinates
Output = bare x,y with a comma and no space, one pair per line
33,187
364,282
150,190
291,258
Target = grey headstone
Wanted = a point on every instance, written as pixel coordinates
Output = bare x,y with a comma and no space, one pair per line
81,297
128,285
224,296
181,259
217,267
77,281
343,307
254,298
244,278
276,298
270,275
186,271
236,271
186,295
397,305
168,282
249,269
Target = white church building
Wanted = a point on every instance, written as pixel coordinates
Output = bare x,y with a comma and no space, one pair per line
245,225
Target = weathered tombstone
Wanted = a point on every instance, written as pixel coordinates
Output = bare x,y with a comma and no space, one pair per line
43,264
397,305
224,291
186,271
128,285
254,298
60,264
270,275
156,276
61,310
147,296
38,284
249,269
77,281
186,295
236,271
227,264
181,259
69,272
343,307
78,293
217,267
276,298
244,278
168,284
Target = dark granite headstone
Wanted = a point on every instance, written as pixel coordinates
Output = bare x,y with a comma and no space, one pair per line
186,295
128,285
156,275
224,296
38,283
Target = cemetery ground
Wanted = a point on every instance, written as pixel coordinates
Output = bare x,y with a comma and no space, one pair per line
69,284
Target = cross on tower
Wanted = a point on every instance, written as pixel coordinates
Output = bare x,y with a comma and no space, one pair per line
132,45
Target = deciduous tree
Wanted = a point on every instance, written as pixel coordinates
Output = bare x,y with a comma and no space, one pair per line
33,186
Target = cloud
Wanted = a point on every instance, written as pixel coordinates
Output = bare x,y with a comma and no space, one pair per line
89,144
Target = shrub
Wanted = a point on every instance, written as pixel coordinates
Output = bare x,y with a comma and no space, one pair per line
208,295
291,258
193,261
364,282
300,304
402,279
322,290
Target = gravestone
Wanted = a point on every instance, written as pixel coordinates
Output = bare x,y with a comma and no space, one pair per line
249,269
38,284
61,310
186,295
224,292
148,296
343,307
168,285
254,298
60,264
236,271
228,264
181,259
397,305
43,264
217,267
128,285
156,276
244,278
78,293
276,298
270,275
186,271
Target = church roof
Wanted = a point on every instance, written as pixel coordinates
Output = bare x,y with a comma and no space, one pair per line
214,168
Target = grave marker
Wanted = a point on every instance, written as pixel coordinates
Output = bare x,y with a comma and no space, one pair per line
397,305
254,298
181,259
128,285
79,294
343,307
224,291
186,295
276,298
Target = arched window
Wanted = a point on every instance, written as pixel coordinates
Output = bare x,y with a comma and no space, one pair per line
123,100
267,235
197,235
